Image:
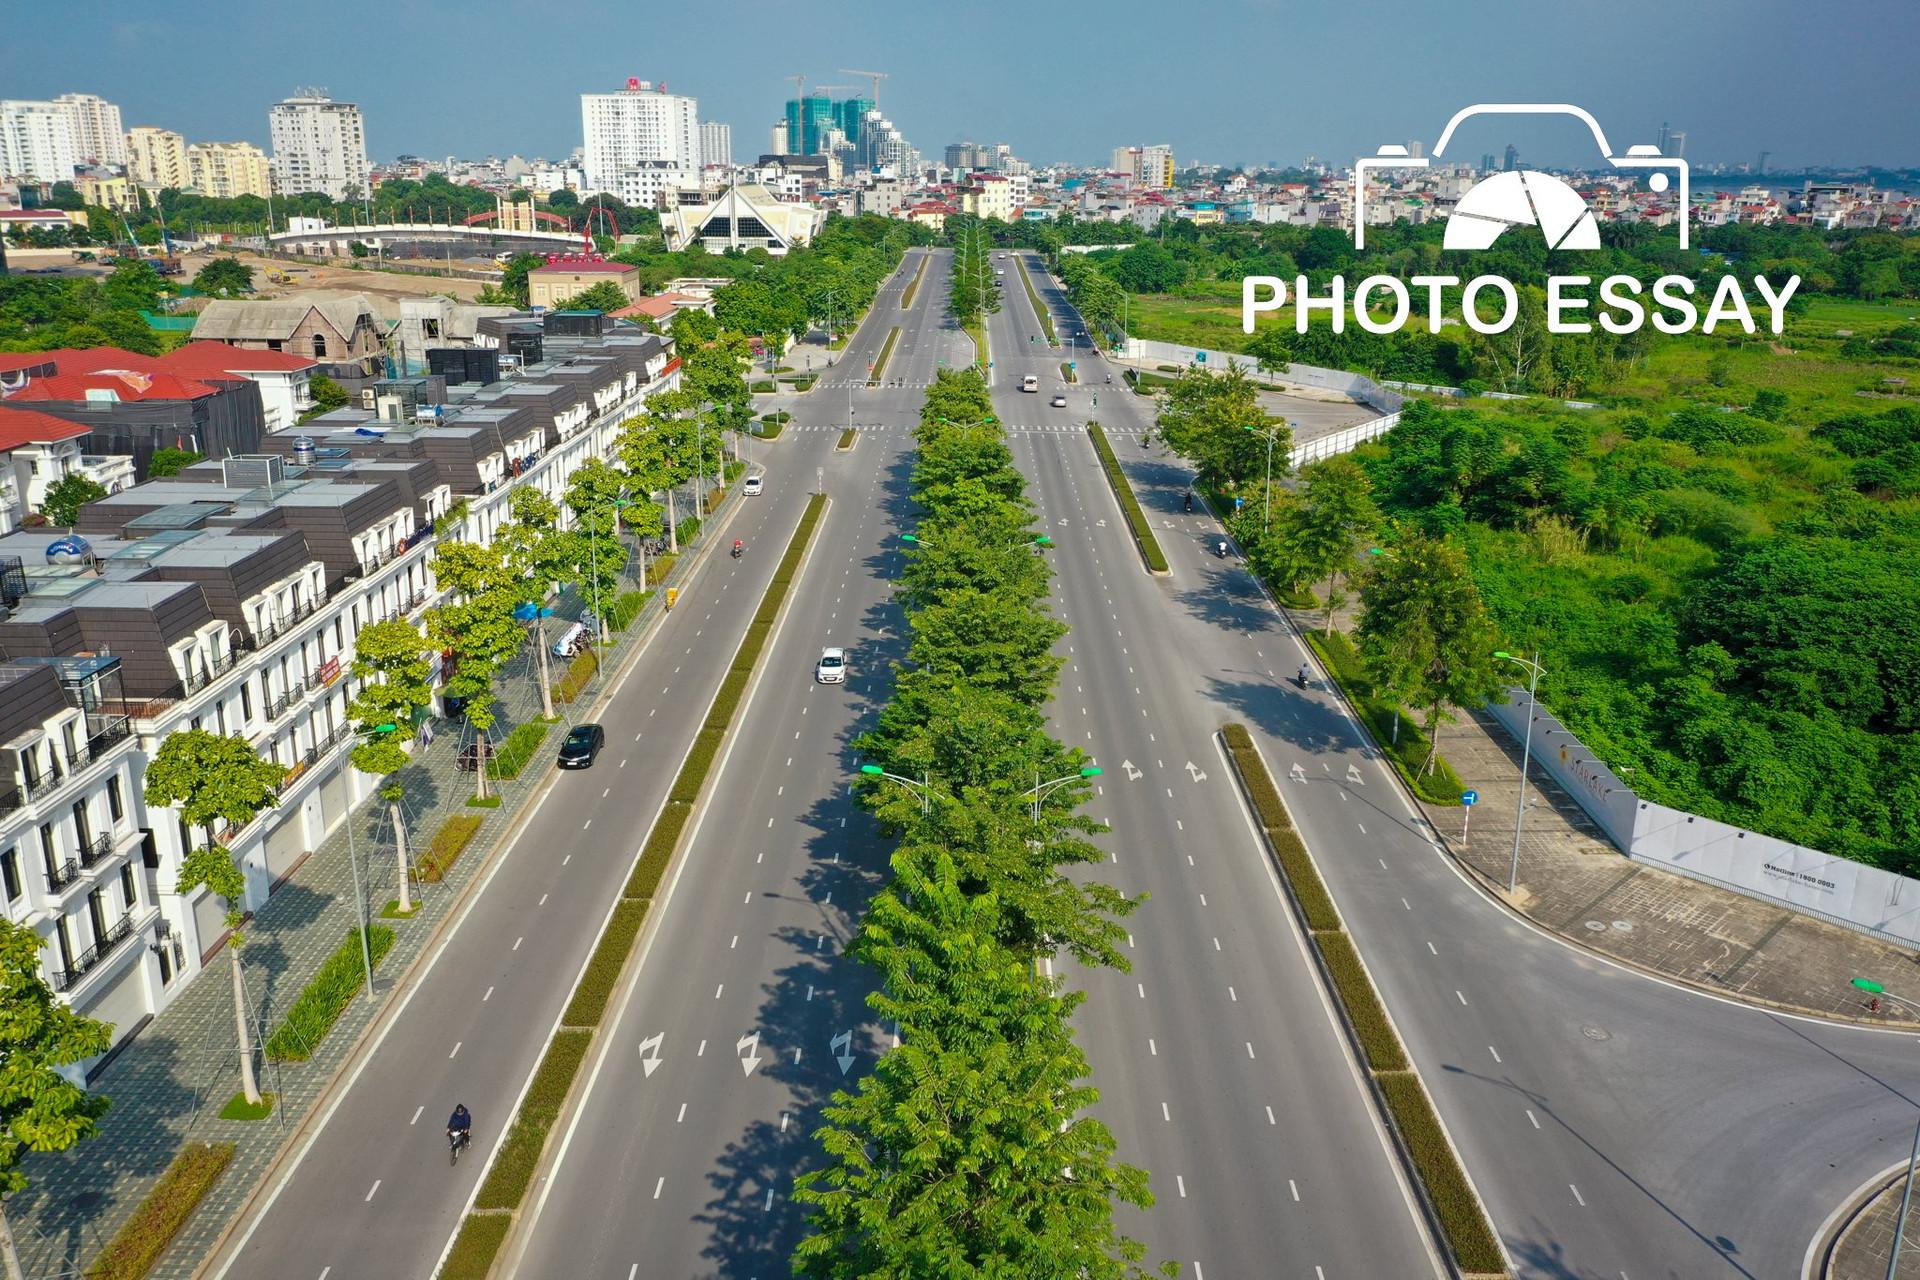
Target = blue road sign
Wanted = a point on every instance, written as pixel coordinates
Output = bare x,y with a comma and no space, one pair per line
1200,357
1239,503
1469,797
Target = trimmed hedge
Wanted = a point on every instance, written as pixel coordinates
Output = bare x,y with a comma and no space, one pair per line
1474,1245
477,1245
603,970
162,1212
1039,307
686,529
446,846
913,286
886,352
847,437
327,996
1443,786
625,608
1136,518
1295,863
700,757
762,386
519,747
1369,1017
585,665
659,567
658,850
519,1153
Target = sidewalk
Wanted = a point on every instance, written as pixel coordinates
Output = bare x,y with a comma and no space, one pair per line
1860,1252
1573,882
169,1083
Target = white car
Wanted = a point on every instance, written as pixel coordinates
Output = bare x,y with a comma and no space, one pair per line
832,667
1059,400
751,488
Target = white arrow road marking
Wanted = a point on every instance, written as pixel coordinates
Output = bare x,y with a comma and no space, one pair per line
748,1048
1195,772
1353,775
1298,773
649,1063
842,1048
1133,774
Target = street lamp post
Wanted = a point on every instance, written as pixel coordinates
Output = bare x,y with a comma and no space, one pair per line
1906,1196
922,788
1041,788
1272,428
593,559
1535,671
353,864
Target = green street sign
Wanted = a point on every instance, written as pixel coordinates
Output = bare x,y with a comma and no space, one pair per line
1868,984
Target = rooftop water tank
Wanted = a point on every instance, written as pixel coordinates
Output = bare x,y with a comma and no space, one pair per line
303,451
72,549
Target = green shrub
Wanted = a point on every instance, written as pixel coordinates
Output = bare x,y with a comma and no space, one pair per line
578,674
1469,1234
803,383
658,568
162,1212
1039,307
658,850
699,763
519,747
327,996
446,846
686,529
477,1245
625,608
603,970
1378,1042
913,286
1316,905
732,689
519,1153
1067,372
1443,786
886,351
847,437
762,386
1136,518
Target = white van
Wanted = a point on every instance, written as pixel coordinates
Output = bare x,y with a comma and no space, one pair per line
1031,383
574,636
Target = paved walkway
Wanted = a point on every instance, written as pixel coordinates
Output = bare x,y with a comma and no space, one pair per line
1573,881
1864,1243
170,1082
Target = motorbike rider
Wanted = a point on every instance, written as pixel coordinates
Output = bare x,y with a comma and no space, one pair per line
460,1123
1189,500
738,548
1220,549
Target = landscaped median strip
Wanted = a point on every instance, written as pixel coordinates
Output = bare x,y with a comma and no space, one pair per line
1443,1182
1033,296
486,1228
886,351
913,286
1136,518
1407,748
327,996
847,437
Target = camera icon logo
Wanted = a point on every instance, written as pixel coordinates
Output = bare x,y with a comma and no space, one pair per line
1525,197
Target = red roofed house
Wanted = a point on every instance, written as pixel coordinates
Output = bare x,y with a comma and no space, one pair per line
36,450
282,376
564,275
661,307
132,404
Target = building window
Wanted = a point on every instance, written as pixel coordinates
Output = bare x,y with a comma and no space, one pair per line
115,805
10,871
49,852
66,946
319,346
338,642
220,716
246,702
129,888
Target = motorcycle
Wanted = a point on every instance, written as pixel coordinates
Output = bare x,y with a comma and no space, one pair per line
1189,503
738,550
1220,549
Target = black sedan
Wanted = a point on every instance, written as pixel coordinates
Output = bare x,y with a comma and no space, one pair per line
582,744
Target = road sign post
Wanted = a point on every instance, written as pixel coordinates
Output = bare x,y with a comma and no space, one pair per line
1467,800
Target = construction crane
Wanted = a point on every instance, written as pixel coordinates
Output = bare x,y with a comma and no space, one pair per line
875,76
799,86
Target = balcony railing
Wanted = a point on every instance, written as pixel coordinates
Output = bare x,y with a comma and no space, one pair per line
93,956
113,729
62,874
93,850
203,674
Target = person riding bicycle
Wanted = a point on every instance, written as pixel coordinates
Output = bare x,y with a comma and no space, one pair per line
460,1123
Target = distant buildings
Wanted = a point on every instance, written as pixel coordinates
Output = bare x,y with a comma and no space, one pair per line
157,157
1146,166
226,169
744,216
716,144
318,145
37,142
640,128
565,275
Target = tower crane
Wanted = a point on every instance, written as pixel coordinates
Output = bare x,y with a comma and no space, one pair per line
875,76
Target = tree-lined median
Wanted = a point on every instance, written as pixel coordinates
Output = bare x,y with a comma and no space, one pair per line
1129,504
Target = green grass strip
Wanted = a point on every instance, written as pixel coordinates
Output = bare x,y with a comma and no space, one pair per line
515,753
448,843
1033,296
847,437
886,353
589,1001
477,1245
1443,786
327,995
1316,904
1136,518
141,1240
913,286
1468,1232
1382,1047
512,1171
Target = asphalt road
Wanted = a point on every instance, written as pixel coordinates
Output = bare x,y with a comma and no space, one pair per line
374,1172
744,983
1221,1067
1616,1125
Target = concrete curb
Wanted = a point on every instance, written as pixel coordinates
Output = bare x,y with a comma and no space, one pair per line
1826,1241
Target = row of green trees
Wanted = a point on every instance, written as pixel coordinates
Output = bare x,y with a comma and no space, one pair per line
967,1151
973,291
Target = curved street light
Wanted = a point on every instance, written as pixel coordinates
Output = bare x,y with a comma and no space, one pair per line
1535,671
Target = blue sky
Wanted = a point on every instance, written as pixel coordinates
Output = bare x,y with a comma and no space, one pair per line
1812,81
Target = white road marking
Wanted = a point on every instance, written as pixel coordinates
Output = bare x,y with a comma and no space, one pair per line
518,941
1250,1048
1531,1118
656,1188
1152,1048
1432,948
1231,995
1182,1182
1495,1052
1576,1194
456,1048
543,901
370,1190
1460,997
717,990
416,1113
1270,1119
488,996
1294,1187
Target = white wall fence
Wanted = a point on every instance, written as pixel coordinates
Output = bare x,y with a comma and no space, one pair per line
1847,893
1345,440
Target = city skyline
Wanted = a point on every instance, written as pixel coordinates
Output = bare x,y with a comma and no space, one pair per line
1263,103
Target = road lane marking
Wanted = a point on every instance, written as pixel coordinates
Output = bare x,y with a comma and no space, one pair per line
1166,1114
717,990
1294,1187
1433,949
543,901
370,1190
1576,1194
656,1190
1495,1052
1182,1182
416,1113
488,996
1250,1048
1531,1117
1460,997
1270,1119
456,1047
517,941
1232,996
1152,1048
683,1114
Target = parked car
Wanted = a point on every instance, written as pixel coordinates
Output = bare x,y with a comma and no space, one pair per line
582,744
832,667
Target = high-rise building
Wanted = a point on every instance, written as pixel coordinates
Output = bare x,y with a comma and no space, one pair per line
36,141
318,145
1486,162
1150,166
1666,137
227,169
157,157
777,139
850,117
966,155
642,124
1511,160
716,143
808,120
98,137
1676,144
